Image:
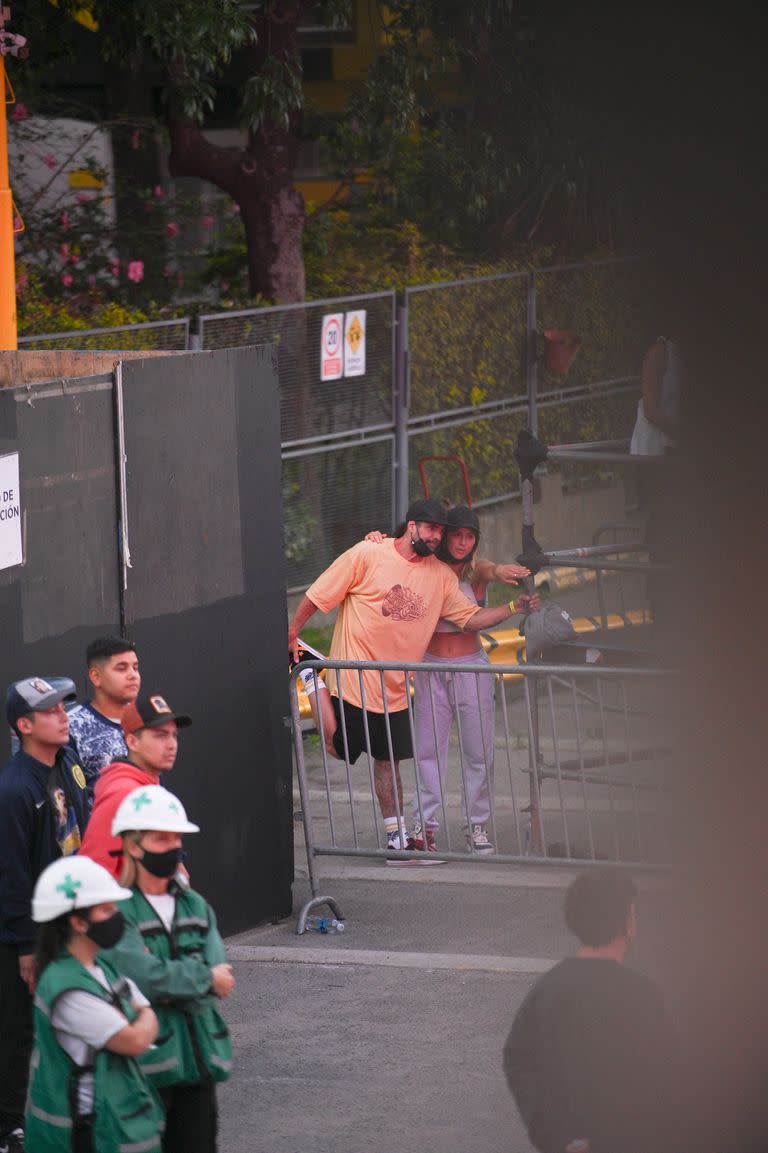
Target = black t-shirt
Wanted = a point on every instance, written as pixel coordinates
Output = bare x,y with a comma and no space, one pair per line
592,1053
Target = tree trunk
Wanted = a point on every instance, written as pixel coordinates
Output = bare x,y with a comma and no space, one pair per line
274,227
260,181
259,177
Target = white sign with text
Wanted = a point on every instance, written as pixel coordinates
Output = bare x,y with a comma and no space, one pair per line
10,512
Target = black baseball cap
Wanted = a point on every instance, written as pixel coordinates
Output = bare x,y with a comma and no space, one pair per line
148,711
33,693
462,516
428,510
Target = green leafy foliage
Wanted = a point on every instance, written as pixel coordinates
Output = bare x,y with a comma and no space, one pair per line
273,95
192,39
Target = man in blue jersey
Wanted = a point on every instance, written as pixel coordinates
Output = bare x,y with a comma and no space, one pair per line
94,727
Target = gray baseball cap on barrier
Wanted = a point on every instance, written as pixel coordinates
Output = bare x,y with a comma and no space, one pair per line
545,628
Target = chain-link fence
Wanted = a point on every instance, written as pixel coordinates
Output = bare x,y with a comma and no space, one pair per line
155,335
337,433
484,362
474,362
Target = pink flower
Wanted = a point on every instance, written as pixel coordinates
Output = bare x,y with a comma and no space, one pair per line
22,283
91,281
64,250
115,268
135,139
65,220
159,192
225,286
207,222
83,198
235,209
136,271
51,161
172,228
67,279
20,112
167,271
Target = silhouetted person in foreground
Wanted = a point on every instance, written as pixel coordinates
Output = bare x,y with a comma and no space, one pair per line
591,1055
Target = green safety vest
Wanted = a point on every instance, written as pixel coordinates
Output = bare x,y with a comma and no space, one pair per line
127,1113
193,1041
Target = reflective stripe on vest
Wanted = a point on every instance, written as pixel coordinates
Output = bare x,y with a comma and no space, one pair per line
160,1066
51,1118
140,1146
192,922
41,1005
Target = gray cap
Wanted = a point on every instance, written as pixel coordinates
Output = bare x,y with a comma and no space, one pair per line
35,693
548,626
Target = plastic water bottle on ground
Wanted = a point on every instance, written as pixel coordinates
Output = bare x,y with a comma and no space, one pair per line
324,925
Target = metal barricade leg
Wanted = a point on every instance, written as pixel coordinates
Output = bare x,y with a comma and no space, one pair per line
538,845
315,900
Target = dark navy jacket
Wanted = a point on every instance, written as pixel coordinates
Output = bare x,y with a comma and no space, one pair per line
28,836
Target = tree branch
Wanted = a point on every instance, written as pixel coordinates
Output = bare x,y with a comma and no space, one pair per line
192,154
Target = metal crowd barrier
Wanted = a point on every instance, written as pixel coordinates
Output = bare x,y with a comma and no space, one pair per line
581,762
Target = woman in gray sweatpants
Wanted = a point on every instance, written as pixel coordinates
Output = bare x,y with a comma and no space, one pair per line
467,696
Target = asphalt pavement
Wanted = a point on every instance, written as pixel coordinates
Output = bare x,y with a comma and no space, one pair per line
390,1034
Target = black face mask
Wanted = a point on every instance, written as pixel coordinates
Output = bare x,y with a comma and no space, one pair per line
107,933
161,864
420,547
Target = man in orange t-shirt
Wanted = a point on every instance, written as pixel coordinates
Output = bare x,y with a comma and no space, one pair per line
390,597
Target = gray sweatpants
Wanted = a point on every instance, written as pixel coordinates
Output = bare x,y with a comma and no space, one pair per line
470,697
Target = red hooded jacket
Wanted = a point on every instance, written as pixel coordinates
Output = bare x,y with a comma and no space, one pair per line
114,783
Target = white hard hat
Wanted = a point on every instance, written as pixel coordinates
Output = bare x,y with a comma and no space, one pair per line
73,883
152,807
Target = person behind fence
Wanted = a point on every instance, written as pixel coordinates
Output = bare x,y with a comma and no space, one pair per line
43,814
592,1054
173,951
390,598
657,424
94,726
151,731
87,1092
467,696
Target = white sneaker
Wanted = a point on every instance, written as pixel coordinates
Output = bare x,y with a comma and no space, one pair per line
397,842
479,839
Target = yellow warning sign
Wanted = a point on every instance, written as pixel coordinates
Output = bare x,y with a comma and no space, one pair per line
354,343
354,335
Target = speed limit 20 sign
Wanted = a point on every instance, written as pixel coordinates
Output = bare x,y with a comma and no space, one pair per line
332,346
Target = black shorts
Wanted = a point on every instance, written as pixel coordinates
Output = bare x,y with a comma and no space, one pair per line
399,727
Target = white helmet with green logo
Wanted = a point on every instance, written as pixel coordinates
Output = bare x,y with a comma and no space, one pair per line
73,883
151,807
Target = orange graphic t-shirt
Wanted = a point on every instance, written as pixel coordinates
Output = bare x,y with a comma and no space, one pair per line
388,609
